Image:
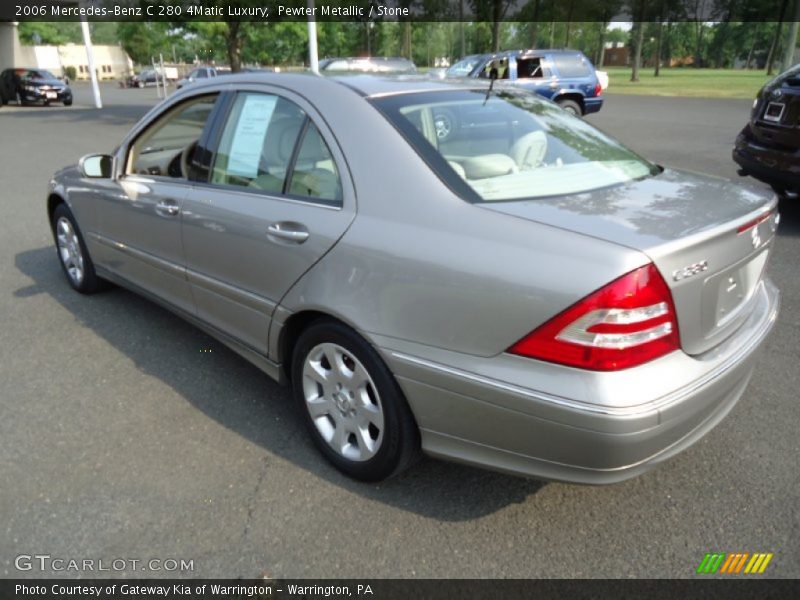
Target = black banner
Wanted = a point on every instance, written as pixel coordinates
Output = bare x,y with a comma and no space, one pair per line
393,10
383,589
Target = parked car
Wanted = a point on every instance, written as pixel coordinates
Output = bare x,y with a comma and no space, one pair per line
566,77
768,148
33,86
531,297
145,78
201,73
371,64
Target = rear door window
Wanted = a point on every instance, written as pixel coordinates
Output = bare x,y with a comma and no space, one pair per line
270,145
531,68
572,65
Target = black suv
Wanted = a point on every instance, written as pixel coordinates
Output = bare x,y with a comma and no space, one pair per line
768,148
28,86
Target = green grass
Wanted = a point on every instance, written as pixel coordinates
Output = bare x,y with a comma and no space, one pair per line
687,82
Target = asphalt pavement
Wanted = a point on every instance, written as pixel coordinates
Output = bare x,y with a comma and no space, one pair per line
129,434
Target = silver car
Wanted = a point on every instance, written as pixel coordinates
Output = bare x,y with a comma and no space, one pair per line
527,295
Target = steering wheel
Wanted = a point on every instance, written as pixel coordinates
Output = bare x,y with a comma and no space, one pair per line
185,156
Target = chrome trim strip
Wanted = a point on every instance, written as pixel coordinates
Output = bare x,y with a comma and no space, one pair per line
675,397
255,193
154,261
226,290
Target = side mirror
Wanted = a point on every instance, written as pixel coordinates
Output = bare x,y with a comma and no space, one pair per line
97,166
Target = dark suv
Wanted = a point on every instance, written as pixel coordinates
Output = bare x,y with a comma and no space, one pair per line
565,76
768,148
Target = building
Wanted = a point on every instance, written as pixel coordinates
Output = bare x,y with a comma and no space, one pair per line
111,62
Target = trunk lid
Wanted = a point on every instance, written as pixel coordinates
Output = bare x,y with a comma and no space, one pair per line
709,238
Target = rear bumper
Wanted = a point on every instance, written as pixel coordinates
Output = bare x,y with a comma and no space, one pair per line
775,167
493,422
592,105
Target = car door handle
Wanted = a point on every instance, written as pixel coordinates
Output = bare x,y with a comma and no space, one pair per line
291,232
168,207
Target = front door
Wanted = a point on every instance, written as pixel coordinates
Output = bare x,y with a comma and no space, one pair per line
138,232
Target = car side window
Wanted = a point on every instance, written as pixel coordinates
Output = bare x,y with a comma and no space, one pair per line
572,65
530,68
497,69
270,144
166,146
315,174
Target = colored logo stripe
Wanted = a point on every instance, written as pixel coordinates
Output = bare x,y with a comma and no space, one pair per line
734,562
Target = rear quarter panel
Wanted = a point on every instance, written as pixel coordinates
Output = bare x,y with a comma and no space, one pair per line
421,264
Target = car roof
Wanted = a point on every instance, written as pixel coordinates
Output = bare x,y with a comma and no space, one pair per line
366,85
535,51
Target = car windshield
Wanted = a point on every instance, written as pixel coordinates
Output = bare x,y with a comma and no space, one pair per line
464,67
509,146
39,74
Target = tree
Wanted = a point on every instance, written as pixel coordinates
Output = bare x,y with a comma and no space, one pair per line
773,49
55,33
638,38
791,43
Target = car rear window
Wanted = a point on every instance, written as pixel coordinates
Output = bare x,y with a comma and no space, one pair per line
572,65
509,145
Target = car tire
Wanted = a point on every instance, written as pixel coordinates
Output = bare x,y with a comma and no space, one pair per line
351,404
73,254
570,106
67,102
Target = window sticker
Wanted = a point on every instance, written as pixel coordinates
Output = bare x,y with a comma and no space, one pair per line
248,139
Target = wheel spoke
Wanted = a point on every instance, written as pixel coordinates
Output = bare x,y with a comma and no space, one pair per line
339,439
366,444
315,371
339,365
370,413
320,407
360,377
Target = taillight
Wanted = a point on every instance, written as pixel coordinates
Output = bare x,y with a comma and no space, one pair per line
626,323
597,89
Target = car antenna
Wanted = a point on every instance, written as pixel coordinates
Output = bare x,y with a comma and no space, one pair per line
494,69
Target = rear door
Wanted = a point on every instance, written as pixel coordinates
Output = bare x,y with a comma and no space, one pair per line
276,198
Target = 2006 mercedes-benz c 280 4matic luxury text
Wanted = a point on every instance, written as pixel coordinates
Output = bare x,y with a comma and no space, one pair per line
527,295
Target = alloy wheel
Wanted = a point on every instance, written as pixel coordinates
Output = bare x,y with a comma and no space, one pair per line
69,250
343,402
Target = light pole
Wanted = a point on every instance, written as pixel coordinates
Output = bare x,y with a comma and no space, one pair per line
313,56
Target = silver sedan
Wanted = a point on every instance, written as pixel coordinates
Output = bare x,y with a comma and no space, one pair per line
525,294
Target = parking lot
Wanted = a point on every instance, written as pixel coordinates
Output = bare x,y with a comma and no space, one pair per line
127,433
